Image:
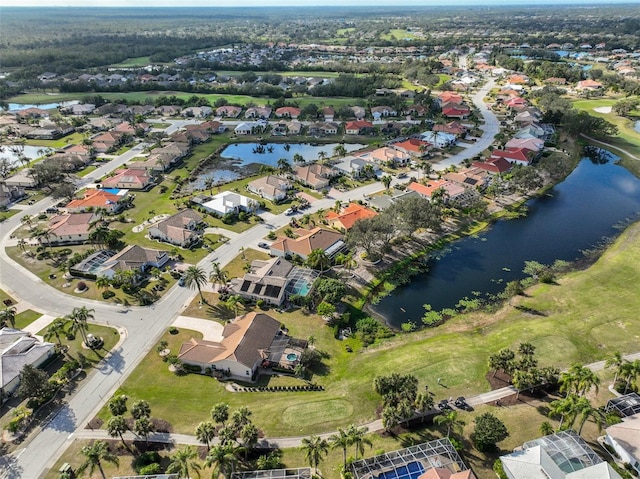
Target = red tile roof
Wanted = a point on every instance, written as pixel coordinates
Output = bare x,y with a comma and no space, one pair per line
349,215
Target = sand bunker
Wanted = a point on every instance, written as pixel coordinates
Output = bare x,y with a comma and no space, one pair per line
602,109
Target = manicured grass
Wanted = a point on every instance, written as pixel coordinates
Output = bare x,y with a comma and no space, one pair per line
578,323
236,267
25,318
133,62
71,139
84,172
5,215
109,335
397,34
4,296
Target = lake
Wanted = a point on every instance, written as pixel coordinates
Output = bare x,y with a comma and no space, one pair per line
42,106
242,158
574,216
11,152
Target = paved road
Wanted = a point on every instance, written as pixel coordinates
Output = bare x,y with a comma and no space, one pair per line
140,327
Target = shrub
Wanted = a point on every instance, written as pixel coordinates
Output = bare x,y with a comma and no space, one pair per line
82,286
173,330
150,469
271,236
108,294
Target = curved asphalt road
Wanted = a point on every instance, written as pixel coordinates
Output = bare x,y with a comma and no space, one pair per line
140,327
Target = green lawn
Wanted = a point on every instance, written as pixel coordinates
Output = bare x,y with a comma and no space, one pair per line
397,34
133,62
4,296
71,139
25,318
5,215
627,139
578,323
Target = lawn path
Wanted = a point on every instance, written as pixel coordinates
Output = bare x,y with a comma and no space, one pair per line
609,145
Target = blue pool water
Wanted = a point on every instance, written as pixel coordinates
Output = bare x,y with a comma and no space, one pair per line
413,470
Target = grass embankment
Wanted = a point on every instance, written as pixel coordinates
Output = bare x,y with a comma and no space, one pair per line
576,321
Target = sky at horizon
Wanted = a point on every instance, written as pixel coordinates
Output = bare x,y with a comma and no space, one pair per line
299,3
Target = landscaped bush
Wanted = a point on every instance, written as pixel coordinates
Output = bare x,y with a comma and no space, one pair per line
154,468
82,286
173,330
192,368
108,294
148,459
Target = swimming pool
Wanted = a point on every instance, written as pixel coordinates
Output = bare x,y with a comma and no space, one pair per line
412,470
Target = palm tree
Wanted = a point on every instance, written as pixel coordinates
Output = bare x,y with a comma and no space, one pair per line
220,413
314,449
249,435
298,158
615,360
143,427
283,166
233,303
140,409
95,453
339,150
218,275
386,181
116,427
103,282
208,184
205,432
8,316
318,259
22,244
546,428
99,236
341,440
564,407
629,373
240,418
195,277
423,403
56,329
118,405
357,436
391,417
450,420
184,460
224,460
78,318
579,380
322,155
27,220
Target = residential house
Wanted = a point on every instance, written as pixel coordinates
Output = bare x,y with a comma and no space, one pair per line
450,97
110,201
534,144
452,128
530,115
78,109
166,157
314,176
169,110
589,85
21,179
228,202
71,228
106,141
229,111
439,139
329,241
494,166
197,112
258,112
459,112
392,128
359,112
535,130
133,258
270,281
32,113
50,131
244,346
358,127
347,216
407,94
181,229
9,194
563,455
469,178
518,156
18,349
352,166
414,147
382,112
453,191
245,128
323,129
382,202
516,103
270,187
387,155
328,113
416,110
130,179
624,438
288,112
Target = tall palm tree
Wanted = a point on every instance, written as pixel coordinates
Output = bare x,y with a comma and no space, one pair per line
615,361
56,329
546,428
223,459
220,413
249,435
318,259
386,181
579,379
143,427
315,448
8,317
240,418
183,461
218,275
341,440
339,150
205,432
195,277
233,303
358,437
103,282
564,408
450,420
78,319
322,155
116,427
94,454
629,372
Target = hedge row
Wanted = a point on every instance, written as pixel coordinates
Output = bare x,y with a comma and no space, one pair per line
311,387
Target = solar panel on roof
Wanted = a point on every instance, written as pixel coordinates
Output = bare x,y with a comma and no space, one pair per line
245,286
